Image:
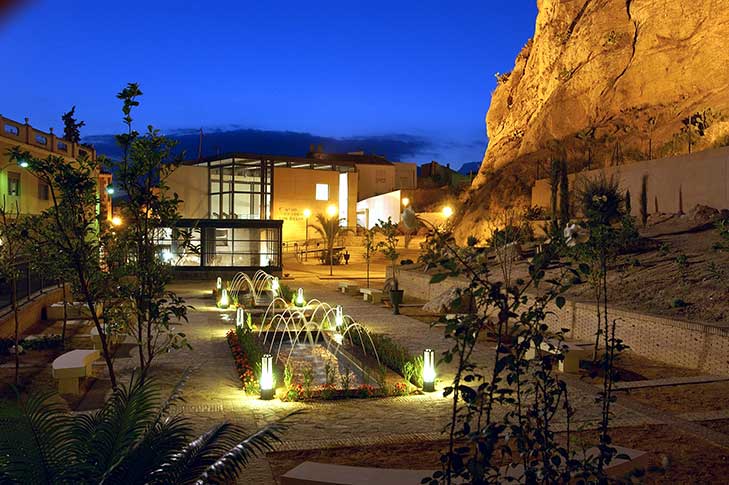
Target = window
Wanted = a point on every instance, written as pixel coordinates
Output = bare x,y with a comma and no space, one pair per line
13,183
43,192
322,191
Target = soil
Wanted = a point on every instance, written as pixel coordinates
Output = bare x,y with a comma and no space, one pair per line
688,460
655,281
689,398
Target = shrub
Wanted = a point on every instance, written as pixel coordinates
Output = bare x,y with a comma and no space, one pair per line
678,303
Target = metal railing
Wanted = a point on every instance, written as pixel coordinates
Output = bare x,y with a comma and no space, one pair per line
30,285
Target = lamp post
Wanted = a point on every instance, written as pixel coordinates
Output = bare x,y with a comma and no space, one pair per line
447,211
428,370
307,214
334,223
267,389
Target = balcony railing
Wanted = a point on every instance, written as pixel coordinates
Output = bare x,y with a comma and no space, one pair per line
25,133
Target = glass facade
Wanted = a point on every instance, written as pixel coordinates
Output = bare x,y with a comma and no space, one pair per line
240,189
196,243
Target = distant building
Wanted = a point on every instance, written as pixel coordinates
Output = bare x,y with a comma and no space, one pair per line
244,206
19,186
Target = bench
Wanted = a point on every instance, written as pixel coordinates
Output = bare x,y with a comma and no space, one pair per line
371,294
347,287
74,311
111,340
311,473
72,366
574,352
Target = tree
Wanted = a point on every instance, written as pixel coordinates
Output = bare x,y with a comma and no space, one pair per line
370,248
12,254
73,231
644,200
71,128
388,248
504,408
133,439
330,228
564,194
134,254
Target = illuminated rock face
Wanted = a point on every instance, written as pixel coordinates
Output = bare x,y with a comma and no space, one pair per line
595,75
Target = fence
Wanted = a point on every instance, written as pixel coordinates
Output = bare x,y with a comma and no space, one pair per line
29,285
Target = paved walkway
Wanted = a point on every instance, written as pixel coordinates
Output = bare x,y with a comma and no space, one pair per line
213,392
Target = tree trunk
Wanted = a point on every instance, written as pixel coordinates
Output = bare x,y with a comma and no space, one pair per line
99,328
331,260
65,315
17,330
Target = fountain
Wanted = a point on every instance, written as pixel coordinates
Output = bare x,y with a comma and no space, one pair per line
262,288
315,332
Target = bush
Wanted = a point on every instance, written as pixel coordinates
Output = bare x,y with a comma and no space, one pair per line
678,303
393,355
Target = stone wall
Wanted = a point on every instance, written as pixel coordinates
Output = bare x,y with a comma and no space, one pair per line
673,185
692,345
29,313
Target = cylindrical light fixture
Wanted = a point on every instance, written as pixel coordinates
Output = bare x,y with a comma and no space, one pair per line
224,302
240,317
267,389
338,318
219,283
428,370
300,297
275,286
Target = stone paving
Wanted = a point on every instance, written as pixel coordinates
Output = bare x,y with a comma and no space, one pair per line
213,392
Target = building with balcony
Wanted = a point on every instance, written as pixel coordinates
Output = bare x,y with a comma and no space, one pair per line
19,186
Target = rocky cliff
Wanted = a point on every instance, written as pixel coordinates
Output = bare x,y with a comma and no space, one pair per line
605,82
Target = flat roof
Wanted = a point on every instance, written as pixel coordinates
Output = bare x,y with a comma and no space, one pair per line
329,161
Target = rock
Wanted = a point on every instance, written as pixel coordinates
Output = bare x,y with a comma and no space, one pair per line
444,303
703,214
600,78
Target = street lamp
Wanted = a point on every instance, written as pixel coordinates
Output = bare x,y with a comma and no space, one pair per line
405,201
307,214
447,211
116,221
332,210
110,189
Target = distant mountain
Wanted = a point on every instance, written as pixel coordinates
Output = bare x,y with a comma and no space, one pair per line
469,168
395,147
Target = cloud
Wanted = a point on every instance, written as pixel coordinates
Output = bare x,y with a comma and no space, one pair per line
396,147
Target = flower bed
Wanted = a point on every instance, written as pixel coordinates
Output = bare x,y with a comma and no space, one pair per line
328,392
246,370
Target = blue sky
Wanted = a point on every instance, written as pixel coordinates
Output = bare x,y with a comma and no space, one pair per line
420,69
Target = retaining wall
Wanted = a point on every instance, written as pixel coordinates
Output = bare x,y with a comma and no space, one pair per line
693,345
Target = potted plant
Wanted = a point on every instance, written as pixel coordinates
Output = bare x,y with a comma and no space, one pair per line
388,248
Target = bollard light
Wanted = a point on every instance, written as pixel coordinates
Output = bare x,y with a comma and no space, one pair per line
240,317
224,303
219,283
299,301
338,318
267,389
428,370
275,287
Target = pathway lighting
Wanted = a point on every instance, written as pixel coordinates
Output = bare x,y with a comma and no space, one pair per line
428,370
299,301
267,389
275,287
219,283
110,189
116,221
338,318
240,317
332,210
447,211
224,302
405,201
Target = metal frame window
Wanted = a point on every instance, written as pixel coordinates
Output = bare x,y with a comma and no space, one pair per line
240,189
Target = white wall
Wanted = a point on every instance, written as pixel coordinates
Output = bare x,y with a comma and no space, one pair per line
374,209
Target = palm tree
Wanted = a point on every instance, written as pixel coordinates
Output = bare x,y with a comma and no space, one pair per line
134,439
330,228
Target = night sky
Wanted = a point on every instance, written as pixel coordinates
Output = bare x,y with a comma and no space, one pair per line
408,79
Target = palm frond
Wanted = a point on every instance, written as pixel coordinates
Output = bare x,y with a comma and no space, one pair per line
229,465
35,440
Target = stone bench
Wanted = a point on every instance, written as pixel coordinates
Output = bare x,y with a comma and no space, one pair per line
74,311
112,340
72,366
311,473
574,352
371,294
347,287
